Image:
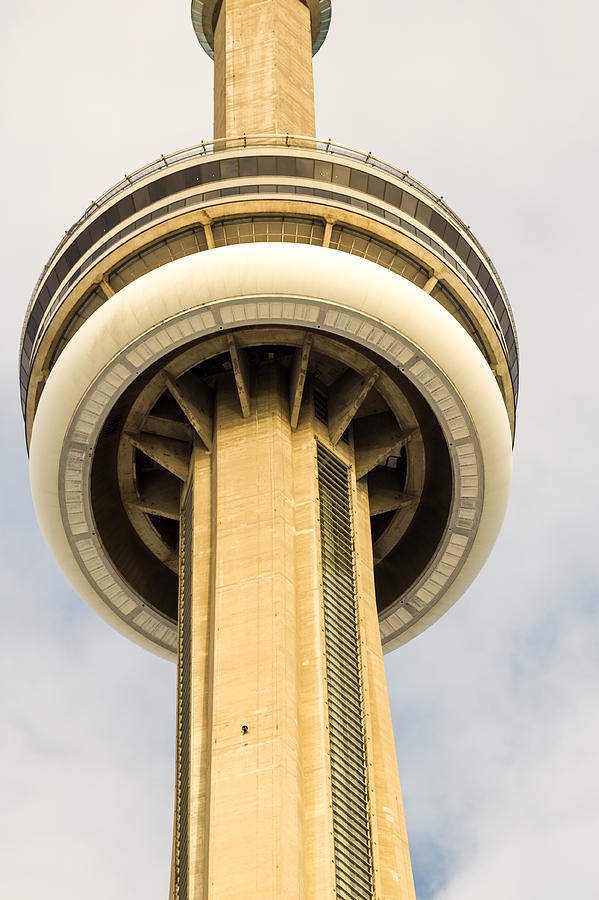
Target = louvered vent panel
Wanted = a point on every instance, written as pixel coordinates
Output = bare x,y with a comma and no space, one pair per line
353,860
321,413
185,607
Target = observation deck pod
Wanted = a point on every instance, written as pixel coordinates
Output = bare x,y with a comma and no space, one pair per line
383,316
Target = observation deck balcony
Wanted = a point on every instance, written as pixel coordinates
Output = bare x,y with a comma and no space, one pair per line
266,187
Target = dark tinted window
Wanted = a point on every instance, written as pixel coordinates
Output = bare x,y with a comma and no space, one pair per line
176,182
451,236
34,319
358,180
248,166
62,267
267,165
408,203
475,265
285,165
438,224
193,176
463,249
323,170
141,198
423,213
376,186
473,260
229,168
493,294
483,278
341,175
110,218
71,254
52,281
125,208
210,172
84,240
157,190
96,230
42,301
393,195
304,167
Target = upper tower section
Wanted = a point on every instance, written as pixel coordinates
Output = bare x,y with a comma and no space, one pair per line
262,51
385,316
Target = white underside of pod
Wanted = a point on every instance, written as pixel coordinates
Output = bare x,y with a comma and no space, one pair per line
246,284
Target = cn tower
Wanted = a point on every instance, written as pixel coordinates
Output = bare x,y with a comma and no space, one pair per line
269,386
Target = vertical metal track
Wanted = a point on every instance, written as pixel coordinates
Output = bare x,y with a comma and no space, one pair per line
351,828
184,697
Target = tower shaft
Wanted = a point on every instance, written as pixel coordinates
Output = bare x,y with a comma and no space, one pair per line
287,783
263,82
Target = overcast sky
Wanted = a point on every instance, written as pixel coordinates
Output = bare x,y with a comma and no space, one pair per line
496,707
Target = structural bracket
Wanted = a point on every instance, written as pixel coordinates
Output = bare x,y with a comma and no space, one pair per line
345,398
171,428
195,400
375,438
241,370
168,453
384,494
160,495
298,379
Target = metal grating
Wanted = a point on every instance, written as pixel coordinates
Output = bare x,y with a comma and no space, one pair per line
321,407
360,243
321,413
184,699
249,229
351,826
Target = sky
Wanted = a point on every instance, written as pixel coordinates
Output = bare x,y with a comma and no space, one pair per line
495,708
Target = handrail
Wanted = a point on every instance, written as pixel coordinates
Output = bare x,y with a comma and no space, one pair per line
301,142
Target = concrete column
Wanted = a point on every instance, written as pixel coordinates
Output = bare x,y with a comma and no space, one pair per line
319,851
258,790
263,81
201,670
254,817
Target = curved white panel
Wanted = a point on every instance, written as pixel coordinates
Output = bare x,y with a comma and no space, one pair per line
250,284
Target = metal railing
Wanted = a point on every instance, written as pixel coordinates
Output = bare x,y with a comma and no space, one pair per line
299,142
229,146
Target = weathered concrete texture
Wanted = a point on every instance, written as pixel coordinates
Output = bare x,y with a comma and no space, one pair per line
318,847
263,82
260,803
